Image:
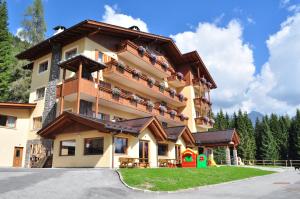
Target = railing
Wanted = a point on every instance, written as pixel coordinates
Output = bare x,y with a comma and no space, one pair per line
203,105
142,79
146,57
126,100
176,81
282,163
204,122
203,86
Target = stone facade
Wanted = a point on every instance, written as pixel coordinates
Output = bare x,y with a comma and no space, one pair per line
49,113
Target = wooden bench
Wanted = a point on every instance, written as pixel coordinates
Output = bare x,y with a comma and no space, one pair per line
127,162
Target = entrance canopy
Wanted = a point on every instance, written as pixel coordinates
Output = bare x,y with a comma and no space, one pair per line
217,138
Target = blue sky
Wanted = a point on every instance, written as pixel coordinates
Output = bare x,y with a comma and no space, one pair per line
259,18
251,22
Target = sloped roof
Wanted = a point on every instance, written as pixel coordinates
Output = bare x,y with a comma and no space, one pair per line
217,137
133,126
91,27
174,133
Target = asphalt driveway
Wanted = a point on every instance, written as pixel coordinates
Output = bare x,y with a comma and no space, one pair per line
104,183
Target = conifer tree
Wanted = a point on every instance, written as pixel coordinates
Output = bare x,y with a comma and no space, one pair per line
6,58
284,124
34,26
294,137
268,150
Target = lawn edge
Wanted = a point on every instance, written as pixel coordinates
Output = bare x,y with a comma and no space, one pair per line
188,189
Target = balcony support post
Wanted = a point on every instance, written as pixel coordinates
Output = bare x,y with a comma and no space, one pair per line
97,94
62,92
79,75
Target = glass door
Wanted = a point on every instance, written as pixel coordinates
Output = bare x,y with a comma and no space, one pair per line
144,151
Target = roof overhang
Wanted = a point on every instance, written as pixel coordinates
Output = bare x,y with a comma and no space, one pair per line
14,105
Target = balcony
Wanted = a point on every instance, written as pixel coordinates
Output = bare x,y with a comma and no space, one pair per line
176,80
204,122
138,81
124,102
202,84
139,56
203,104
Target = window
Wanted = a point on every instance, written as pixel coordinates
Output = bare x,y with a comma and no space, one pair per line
121,145
40,93
43,67
37,123
67,148
93,146
162,149
100,57
70,53
102,116
8,121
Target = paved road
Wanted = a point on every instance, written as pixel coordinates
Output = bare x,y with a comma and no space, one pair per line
104,183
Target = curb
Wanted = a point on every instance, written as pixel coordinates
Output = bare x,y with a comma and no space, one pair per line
188,189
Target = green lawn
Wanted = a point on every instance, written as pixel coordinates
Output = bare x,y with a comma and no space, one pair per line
165,179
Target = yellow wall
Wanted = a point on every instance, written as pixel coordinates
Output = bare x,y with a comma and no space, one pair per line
13,137
81,160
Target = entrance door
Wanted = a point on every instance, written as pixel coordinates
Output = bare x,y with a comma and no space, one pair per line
18,153
178,153
144,151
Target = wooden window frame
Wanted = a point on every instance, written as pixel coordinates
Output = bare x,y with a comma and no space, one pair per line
84,142
41,63
167,151
60,147
6,122
33,126
126,150
36,93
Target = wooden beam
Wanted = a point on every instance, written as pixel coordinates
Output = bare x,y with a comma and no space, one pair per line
62,92
97,94
79,74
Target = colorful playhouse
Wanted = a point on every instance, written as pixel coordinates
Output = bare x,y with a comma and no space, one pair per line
191,159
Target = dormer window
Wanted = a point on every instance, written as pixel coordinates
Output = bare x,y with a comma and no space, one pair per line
43,67
70,53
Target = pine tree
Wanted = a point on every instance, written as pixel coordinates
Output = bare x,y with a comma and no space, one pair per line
34,26
6,58
258,133
275,129
268,150
294,137
284,124
251,146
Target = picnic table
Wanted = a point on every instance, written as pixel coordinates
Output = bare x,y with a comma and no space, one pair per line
129,162
167,162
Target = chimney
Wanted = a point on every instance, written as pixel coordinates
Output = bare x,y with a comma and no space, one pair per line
58,29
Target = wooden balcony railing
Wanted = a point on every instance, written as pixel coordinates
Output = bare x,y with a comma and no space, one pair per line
204,122
152,64
203,105
142,82
176,80
202,85
125,100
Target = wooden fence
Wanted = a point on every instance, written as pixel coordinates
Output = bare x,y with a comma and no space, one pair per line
280,163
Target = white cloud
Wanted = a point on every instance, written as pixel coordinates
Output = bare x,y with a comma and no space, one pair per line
18,34
111,16
228,58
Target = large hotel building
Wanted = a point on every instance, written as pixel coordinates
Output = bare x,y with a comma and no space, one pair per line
101,93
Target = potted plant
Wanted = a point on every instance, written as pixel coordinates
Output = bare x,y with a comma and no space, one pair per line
162,109
141,50
179,76
116,93
136,74
212,121
180,97
153,58
162,87
203,80
151,81
165,65
150,105
172,92
182,117
206,119
121,66
173,113
209,85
